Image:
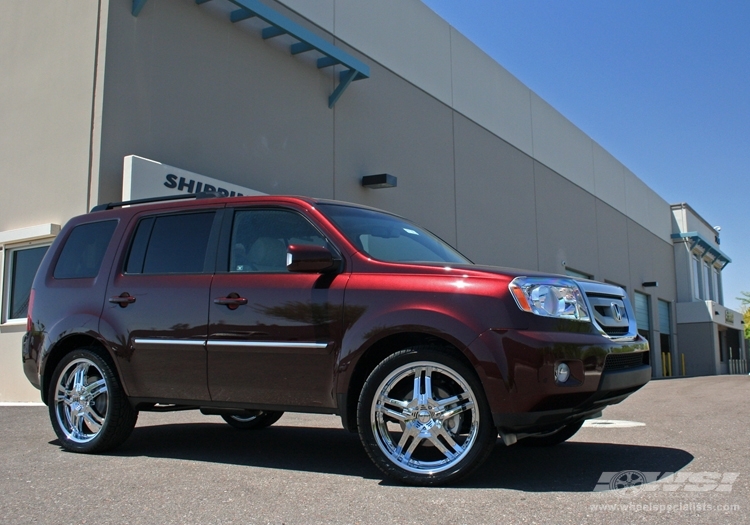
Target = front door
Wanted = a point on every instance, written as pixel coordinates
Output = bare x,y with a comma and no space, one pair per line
273,334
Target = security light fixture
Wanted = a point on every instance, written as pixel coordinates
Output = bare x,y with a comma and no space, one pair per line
375,182
650,284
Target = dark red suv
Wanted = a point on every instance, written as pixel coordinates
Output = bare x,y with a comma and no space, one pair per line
247,307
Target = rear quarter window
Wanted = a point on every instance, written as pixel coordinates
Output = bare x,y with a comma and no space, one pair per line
82,255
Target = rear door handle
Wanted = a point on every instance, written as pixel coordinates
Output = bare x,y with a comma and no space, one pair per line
231,301
123,299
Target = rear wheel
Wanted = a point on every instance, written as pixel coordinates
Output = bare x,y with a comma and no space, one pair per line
87,406
255,419
550,440
423,418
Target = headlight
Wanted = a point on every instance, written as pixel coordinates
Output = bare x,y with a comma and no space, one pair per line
549,297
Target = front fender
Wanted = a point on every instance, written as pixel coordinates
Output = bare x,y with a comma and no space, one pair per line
369,331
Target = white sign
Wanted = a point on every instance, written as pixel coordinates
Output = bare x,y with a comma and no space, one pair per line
144,178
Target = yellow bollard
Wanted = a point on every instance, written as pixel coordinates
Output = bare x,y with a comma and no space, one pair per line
683,364
669,364
663,365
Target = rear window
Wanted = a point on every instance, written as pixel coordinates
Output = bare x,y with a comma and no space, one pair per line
82,255
170,244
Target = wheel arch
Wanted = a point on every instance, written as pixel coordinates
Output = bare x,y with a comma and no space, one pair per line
62,348
379,351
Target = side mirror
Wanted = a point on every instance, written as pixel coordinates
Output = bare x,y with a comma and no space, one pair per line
309,258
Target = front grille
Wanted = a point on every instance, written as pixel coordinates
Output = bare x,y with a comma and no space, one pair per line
610,313
623,361
615,330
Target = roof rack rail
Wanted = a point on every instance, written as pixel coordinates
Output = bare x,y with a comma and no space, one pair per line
112,205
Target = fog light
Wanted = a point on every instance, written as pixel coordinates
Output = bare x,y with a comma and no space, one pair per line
562,373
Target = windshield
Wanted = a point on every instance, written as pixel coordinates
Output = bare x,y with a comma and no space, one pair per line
389,238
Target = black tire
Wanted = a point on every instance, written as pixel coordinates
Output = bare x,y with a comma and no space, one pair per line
87,405
254,420
550,440
436,436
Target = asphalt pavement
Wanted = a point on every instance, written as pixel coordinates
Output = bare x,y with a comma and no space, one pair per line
688,460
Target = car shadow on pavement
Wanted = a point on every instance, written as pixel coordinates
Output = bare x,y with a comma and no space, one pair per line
569,467
310,449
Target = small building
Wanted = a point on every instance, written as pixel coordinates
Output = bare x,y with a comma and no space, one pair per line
711,335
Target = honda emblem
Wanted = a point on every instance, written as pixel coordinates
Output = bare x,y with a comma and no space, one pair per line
616,312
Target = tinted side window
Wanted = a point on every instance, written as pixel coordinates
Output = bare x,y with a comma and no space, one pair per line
82,255
170,244
139,245
260,239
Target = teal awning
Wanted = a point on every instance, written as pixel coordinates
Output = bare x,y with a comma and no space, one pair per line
696,239
305,41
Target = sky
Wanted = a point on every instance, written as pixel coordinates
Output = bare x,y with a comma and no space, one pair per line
663,85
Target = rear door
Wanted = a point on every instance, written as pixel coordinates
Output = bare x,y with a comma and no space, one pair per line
157,304
273,334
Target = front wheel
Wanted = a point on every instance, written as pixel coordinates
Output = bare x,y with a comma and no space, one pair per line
87,406
423,418
255,419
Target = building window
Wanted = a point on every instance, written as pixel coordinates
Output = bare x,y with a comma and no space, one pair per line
717,286
707,283
575,273
616,284
21,265
697,280
643,315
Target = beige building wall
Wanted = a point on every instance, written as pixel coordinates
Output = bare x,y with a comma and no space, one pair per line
48,60
481,160
420,47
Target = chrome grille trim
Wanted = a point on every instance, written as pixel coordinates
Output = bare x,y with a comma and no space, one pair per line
604,301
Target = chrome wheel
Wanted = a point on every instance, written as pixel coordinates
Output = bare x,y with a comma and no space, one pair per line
247,419
430,427
254,419
426,420
81,400
87,406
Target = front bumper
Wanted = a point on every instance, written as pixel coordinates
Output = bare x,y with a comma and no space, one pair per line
517,369
613,388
